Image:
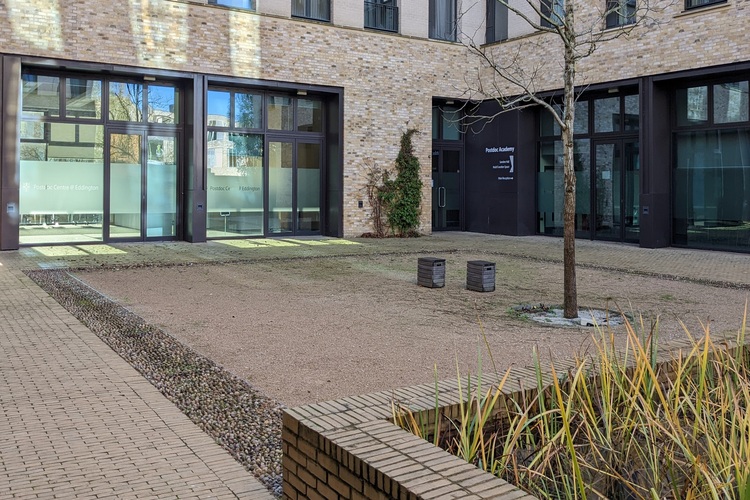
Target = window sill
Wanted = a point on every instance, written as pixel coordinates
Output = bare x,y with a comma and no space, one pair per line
703,9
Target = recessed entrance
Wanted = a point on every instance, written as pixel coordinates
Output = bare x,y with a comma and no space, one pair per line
446,189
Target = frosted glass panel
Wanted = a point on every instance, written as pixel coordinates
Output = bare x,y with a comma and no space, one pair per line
125,186
161,187
280,162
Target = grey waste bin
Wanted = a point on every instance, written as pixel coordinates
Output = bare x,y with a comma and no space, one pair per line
431,272
480,276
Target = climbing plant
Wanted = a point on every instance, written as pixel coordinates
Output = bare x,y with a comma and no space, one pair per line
404,205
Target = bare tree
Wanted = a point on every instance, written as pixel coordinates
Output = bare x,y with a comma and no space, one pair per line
574,29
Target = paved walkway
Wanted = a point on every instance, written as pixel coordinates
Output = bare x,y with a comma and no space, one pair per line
76,421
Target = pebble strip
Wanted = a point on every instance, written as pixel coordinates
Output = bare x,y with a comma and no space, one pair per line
240,418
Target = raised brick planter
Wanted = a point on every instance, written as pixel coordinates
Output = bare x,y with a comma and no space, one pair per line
348,448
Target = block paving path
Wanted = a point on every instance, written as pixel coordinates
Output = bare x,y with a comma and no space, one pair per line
76,421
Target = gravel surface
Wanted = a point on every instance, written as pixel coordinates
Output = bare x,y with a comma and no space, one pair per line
231,344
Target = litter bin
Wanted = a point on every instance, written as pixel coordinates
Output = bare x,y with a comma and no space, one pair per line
480,276
431,272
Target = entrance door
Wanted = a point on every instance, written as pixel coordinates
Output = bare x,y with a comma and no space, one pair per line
446,189
141,195
294,186
616,187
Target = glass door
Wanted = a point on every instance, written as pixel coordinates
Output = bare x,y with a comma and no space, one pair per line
141,199
446,189
125,187
616,190
294,186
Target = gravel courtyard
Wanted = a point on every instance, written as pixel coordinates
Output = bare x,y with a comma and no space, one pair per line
310,329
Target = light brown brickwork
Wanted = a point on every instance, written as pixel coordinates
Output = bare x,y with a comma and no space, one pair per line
388,80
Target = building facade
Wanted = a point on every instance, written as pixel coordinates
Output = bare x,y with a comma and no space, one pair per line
194,120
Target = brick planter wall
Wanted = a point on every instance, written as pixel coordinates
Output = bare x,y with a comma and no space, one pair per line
349,449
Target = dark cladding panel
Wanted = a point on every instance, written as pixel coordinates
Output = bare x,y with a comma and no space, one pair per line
9,104
334,177
492,173
194,199
655,210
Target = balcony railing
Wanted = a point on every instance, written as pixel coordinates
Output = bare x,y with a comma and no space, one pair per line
380,16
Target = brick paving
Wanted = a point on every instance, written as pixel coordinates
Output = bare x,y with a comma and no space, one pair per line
76,421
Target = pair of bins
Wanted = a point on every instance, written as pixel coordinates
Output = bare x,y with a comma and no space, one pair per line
480,274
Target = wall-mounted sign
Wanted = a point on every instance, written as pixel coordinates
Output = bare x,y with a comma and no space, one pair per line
502,162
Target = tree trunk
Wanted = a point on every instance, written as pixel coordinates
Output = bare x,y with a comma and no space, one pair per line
570,292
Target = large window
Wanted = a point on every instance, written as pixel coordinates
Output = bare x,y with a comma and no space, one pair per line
711,175
381,15
318,10
553,13
238,4
234,164
443,20
607,169
497,21
620,13
694,4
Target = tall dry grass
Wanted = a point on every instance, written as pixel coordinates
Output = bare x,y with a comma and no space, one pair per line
619,425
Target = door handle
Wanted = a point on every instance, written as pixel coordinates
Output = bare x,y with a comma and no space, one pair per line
441,204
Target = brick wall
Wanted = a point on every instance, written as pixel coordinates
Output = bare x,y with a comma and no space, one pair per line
388,80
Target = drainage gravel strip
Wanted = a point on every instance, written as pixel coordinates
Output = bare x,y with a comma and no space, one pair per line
238,417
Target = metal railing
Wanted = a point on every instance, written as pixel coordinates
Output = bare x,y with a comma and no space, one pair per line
381,16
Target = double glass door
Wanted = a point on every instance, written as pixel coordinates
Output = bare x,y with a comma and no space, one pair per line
141,185
293,186
616,187
446,189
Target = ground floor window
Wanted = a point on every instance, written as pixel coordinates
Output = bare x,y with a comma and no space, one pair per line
711,189
264,164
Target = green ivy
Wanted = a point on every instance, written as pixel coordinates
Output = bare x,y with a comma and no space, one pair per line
403,194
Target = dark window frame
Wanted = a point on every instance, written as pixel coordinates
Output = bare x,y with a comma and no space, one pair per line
306,12
550,8
436,32
616,18
229,3
496,22
697,4
710,122
382,15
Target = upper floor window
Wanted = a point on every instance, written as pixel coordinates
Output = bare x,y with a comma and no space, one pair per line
319,10
692,4
238,4
381,15
553,13
497,21
620,13
443,20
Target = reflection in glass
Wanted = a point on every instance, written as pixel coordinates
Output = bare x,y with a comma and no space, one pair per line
632,166
235,184
730,102
435,123
218,108
711,191
248,110
280,162
450,180
308,187
125,186
607,115
632,112
40,95
161,187
608,158
83,98
692,105
162,104
126,101
309,115
451,123
280,113
550,192
61,186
